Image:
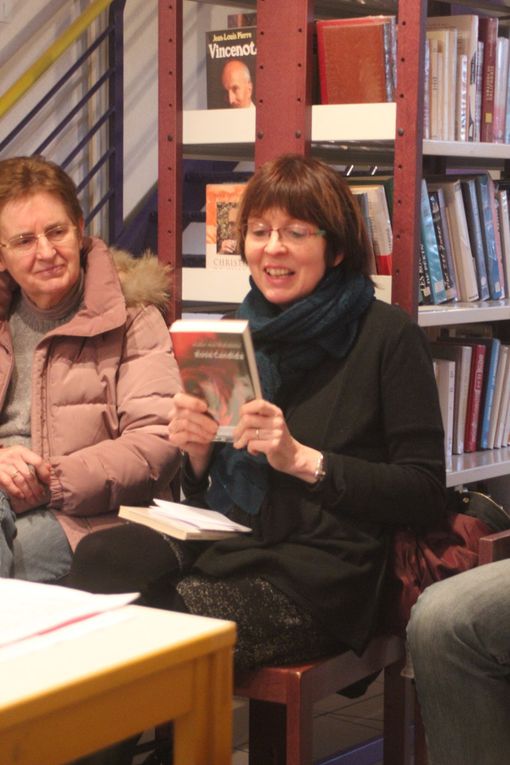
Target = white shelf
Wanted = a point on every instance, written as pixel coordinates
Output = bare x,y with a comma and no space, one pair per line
463,313
467,149
208,286
478,466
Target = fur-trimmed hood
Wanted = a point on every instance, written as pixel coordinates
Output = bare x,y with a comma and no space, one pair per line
144,280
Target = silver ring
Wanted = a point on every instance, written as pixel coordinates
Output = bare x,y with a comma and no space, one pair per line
257,434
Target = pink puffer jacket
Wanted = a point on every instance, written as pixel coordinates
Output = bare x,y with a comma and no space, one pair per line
101,390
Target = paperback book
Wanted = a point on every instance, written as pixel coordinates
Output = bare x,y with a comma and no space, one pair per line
216,361
231,67
221,238
183,521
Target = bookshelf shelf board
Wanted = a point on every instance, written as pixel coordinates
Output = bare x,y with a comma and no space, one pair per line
463,313
477,466
467,149
353,122
202,285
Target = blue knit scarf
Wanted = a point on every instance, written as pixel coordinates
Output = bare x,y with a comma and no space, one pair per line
288,344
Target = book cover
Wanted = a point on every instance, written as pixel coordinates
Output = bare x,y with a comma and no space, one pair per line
466,25
489,236
475,235
461,355
499,440
424,293
497,233
357,59
504,228
183,521
499,385
461,246
489,386
461,99
430,248
447,77
216,362
479,88
380,224
241,20
231,67
488,34
438,210
474,397
221,238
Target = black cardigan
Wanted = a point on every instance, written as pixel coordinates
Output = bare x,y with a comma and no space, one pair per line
376,417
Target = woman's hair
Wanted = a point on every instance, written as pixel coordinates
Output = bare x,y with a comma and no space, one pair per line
22,177
313,192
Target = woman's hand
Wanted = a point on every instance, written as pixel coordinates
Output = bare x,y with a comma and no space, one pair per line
192,429
24,475
262,429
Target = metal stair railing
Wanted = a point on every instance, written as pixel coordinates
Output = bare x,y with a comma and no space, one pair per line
111,118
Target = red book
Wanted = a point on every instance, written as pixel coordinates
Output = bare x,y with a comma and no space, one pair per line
474,397
488,34
357,59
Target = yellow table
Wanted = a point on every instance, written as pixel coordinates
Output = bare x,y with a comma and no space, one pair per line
137,668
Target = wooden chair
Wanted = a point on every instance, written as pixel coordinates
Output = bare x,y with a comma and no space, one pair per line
281,703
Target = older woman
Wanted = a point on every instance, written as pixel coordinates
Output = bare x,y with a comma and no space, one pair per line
87,375
346,442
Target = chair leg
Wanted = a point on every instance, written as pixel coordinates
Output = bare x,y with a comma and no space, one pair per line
398,714
267,730
299,729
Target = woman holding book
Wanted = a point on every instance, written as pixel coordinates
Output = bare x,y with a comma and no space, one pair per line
345,443
87,375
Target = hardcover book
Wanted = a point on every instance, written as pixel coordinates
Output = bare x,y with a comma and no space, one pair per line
231,67
379,224
217,363
221,237
428,238
357,59
489,236
488,34
183,521
475,235
438,209
461,355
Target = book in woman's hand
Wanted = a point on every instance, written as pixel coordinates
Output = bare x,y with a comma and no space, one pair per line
183,521
217,363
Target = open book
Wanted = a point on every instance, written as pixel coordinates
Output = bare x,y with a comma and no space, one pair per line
183,521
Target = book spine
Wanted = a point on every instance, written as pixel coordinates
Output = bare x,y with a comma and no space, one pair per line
474,398
488,34
504,227
461,121
489,237
497,232
488,393
428,236
426,92
477,112
448,276
425,295
475,235
500,88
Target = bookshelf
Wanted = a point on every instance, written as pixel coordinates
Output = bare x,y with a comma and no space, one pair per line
389,132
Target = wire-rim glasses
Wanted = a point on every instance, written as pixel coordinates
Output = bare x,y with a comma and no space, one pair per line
26,244
295,234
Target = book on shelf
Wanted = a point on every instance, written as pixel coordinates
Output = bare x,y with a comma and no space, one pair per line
379,220
446,79
497,233
461,355
488,34
216,362
499,388
474,399
504,230
502,433
465,268
221,237
231,56
500,89
362,200
241,19
438,210
444,370
466,26
430,248
479,89
469,195
461,99
424,292
357,59
489,234
183,521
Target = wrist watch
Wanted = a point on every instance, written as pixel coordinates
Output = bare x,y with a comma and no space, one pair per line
320,473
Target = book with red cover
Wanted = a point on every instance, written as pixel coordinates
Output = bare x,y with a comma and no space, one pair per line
488,34
357,59
474,397
217,363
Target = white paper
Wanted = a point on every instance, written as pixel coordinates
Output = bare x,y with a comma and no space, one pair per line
206,520
28,608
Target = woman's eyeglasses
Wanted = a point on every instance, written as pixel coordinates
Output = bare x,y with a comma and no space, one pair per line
26,244
292,235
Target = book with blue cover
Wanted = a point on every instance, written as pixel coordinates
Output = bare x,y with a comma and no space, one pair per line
429,241
469,195
489,237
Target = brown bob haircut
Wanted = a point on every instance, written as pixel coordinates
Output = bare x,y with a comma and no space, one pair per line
22,177
311,191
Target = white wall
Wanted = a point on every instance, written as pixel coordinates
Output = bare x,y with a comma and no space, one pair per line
33,27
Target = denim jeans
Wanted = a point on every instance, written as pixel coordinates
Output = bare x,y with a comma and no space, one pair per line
32,545
459,639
